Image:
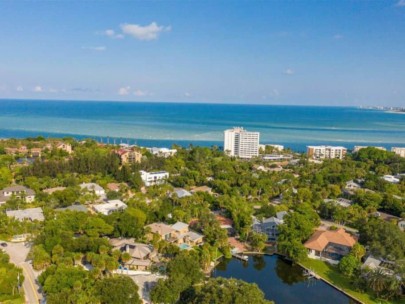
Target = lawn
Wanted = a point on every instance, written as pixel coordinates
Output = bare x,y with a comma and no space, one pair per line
332,275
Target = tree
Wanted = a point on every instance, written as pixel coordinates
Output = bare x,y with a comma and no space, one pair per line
258,241
226,291
117,290
348,264
41,258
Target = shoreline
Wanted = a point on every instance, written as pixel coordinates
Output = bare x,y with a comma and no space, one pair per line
318,276
395,112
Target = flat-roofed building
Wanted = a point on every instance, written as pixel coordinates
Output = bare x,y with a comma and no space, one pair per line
326,152
398,151
154,178
241,143
110,207
31,214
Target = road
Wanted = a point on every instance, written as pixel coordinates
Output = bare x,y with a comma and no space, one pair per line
18,254
327,224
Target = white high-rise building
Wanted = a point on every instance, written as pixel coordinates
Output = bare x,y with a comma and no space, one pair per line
241,143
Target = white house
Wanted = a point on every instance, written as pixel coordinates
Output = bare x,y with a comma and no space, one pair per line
162,152
93,187
22,192
391,179
110,207
154,178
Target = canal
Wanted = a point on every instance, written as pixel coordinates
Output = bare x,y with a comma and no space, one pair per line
280,281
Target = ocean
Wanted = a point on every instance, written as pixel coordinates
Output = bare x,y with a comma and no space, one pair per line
164,124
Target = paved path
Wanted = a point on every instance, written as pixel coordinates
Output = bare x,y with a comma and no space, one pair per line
18,254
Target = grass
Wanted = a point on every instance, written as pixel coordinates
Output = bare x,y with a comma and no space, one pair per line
331,274
16,300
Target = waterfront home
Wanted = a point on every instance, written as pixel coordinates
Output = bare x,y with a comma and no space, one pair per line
24,193
330,245
358,148
162,152
129,156
399,151
184,235
269,226
225,223
31,214
93,187
141,254
241,143
154,178
326,152
262,147
110,207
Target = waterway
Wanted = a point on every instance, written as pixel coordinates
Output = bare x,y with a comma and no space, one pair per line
281,281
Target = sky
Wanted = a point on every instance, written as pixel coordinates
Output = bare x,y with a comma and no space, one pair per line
267,52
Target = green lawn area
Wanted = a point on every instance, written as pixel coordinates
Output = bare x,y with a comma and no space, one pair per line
331,274
19,300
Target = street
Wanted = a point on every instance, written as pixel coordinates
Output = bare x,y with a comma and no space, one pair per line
18,253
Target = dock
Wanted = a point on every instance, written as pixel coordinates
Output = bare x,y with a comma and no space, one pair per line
240,256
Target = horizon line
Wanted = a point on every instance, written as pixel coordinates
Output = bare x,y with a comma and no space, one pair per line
189,102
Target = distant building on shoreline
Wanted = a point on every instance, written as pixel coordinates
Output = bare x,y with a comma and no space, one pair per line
326,152
241,143
399,151
358,148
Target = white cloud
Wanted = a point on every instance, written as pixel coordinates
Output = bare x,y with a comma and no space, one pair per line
338,37
112,34
94,48
38,89
19,89
51,90
123,91
401,3
147,32
289,72
187,94
139,92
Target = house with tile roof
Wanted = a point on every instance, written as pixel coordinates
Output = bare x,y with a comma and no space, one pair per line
330,245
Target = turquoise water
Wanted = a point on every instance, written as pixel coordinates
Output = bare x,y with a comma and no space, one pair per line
280,281
200,124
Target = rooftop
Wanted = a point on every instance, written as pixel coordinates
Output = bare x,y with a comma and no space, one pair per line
320,239
27,214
